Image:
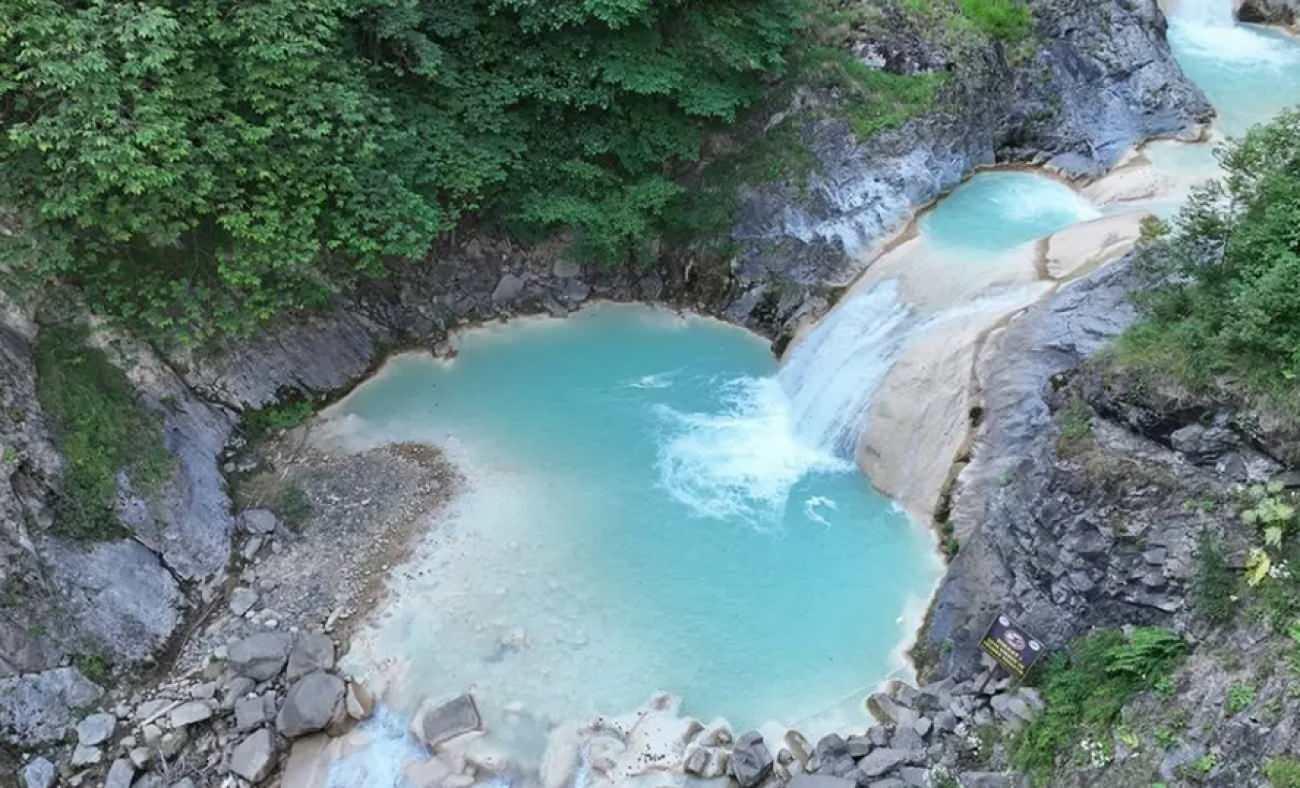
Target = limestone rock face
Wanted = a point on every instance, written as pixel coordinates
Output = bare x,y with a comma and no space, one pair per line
37,708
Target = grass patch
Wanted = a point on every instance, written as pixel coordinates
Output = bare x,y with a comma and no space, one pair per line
100,428
1240,696
1214,583
875,100
1075,420
1004,20
257,424
1283,772
292,506
1085,688
94,667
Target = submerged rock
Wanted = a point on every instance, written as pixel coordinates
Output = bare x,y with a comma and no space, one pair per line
436,723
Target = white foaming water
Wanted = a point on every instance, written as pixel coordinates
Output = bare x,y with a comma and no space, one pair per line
1207,28
831,374
742,462
389,750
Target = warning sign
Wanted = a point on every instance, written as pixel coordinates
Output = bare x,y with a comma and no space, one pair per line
1011,646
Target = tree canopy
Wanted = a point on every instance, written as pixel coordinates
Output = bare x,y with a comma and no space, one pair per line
1226,304
207,163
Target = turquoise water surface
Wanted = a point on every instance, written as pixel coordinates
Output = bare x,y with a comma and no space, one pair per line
642,515
998,211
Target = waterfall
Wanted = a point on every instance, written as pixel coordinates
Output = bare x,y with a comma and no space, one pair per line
1214,13
831,375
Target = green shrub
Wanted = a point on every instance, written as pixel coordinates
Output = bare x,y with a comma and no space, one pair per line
1214,584
876,100
1075,420
1240,696
1006,20
293,506
1283,772
94,667
1085,689
1220,300
258,424
100,429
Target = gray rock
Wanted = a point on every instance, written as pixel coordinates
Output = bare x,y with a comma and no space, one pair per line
37,708
799,747
258,521
883,759
436,723
507,289
878,735
907,739
254,757
830,746
914,776
751,762
886,709
696,761
86,756
190,713
38,773
311,652
260,657
96,729
242,600
819,781
250,713
922,726
312,703
859,746
984,780
360,704
238,687
120,774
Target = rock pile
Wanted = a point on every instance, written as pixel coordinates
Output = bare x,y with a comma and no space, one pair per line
925,737
227,725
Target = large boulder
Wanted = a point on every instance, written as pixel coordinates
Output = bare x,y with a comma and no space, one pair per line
254,757
751,762
435,723
313,702
39,773
260,657
120,774
311,652
38,708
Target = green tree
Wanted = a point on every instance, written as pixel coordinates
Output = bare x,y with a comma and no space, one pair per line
1226,298
196,163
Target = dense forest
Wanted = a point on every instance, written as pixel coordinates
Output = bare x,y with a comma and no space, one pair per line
202,166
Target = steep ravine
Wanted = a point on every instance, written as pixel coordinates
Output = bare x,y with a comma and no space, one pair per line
1100,80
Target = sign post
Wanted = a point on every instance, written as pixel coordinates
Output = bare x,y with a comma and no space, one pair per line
1011,647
